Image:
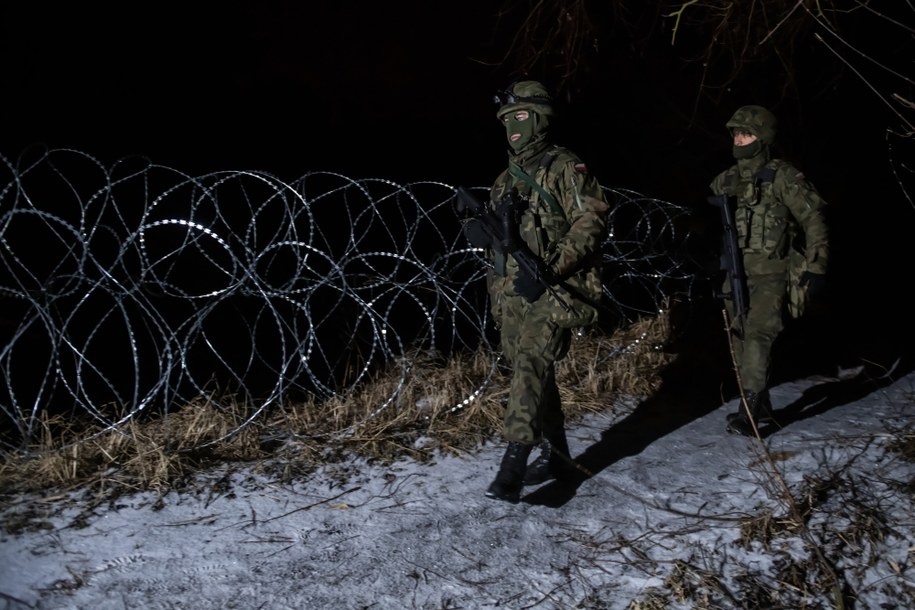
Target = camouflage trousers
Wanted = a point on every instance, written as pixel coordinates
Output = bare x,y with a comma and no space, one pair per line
533,343
765,321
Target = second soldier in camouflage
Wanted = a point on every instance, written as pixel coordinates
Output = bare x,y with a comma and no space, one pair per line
782,234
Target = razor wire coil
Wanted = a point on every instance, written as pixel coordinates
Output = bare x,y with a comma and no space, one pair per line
139,286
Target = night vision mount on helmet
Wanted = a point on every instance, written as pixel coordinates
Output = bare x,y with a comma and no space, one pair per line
527,95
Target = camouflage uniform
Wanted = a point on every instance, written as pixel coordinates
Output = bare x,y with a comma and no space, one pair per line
781,232
566,235
563,223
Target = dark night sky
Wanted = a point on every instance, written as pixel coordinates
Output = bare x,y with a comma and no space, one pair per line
403,91
400,90
359,87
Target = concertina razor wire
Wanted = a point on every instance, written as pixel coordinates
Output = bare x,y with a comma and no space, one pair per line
136,288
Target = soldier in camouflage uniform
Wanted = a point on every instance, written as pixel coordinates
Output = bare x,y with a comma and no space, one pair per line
783,237
562,221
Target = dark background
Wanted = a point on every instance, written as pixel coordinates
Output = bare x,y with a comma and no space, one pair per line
403,91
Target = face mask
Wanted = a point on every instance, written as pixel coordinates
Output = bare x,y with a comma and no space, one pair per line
525,128
749,151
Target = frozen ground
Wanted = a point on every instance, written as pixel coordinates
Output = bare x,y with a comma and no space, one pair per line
667,516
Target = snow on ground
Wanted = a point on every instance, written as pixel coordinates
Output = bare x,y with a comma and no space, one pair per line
659,518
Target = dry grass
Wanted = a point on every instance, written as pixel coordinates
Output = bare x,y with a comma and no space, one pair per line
904,445
419,405
149,455
425,403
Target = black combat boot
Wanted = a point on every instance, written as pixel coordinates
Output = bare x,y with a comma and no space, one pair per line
554,461
761,409
509,480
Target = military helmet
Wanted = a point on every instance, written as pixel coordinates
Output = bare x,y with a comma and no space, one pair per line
755,120
524,95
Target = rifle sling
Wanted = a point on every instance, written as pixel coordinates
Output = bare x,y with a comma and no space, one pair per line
519,173
516,171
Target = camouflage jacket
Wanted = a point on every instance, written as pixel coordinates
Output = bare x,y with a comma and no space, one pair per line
565,229
778,211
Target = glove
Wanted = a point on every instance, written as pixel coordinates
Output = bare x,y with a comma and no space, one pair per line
815,283
505,208
476,234
528,287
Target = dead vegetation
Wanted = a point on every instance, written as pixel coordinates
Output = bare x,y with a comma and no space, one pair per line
729,40
814,540
817,535
422,404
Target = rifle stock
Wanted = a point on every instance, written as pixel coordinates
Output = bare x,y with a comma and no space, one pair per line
732,262
503,230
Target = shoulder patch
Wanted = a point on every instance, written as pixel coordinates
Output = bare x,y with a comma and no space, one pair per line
800,179
580,167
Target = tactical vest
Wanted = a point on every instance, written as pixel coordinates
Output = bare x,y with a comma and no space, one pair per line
767,228
764,225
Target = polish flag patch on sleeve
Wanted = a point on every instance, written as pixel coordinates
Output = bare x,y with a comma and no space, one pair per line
580,167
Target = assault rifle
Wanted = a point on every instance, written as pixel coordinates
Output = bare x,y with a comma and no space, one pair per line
501,227
732,262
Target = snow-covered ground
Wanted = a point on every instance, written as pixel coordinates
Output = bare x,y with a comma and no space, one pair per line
673,515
